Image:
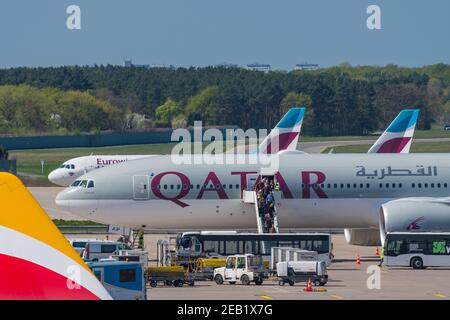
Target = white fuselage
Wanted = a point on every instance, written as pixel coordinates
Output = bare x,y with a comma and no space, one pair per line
317,191
74,168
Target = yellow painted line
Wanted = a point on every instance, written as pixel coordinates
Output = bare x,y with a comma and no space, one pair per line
440,295
336,296
266,297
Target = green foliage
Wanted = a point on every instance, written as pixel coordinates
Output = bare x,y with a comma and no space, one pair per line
343,100
166,112
203,106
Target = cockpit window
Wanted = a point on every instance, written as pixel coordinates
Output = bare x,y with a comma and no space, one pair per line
76,183
83,184
72,166
91,184
62,166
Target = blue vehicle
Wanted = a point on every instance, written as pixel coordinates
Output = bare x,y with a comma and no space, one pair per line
123,280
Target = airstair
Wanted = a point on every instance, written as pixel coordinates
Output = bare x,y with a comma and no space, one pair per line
251,198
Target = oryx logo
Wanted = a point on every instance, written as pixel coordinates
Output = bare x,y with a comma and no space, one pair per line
415,224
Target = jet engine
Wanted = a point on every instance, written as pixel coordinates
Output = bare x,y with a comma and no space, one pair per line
362,237
415,214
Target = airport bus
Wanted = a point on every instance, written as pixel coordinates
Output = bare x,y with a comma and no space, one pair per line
215,244
417,249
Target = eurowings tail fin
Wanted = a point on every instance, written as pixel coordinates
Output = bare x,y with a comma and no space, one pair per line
398,136
36,261
284,136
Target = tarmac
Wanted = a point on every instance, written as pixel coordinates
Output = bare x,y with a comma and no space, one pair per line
347,280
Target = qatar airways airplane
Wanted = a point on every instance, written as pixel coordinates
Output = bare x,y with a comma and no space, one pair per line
288,129
362,192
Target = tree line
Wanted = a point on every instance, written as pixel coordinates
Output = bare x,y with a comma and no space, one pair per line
341,100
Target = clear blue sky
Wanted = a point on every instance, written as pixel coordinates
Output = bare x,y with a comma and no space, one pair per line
204,32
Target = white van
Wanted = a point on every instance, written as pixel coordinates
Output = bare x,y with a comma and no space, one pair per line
80,244
96,250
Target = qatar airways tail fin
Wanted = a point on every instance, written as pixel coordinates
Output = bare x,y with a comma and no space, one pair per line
398,136
285,134
36,261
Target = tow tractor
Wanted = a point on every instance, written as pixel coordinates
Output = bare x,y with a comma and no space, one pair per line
245,268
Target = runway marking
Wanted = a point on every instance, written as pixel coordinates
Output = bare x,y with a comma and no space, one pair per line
337,297
266,297
440,295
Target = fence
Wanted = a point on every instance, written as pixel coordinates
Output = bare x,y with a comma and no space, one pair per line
8,166
90,140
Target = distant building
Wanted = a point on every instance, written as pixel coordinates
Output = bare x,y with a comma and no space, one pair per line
306,66
226,65
258,67
128,63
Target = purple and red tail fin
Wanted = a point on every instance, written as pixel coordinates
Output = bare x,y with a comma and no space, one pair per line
398,136
285,134
36,261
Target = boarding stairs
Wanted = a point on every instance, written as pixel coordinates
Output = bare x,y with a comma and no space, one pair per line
251,198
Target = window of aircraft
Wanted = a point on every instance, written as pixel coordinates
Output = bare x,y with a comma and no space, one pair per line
165,186
367,186
413,185
90,184
355,185
445,185
185,186
426,185
178,186
419,185
348,185
171,186
387,185
237,186
342,186
393,185
76,183
381,185
361,186
400,185
329,186
72,166
224,186
198,186
432,185
218,186
438,185
83,184
335,186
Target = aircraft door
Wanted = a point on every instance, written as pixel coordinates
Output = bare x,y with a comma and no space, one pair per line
251,181
140,188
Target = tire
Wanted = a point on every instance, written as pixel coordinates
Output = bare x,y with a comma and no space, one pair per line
153,284
259,281
291,283
417,263
191,283
232,282
178,283
245,280
316,283
281,283
218,279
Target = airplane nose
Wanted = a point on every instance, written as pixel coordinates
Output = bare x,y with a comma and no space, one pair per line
62,200
54,176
